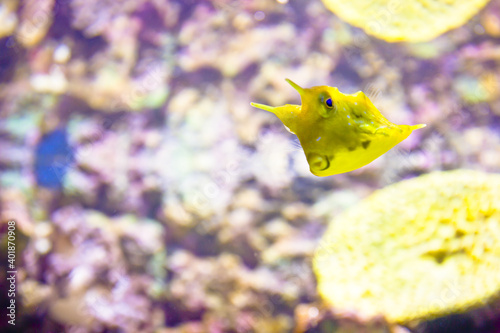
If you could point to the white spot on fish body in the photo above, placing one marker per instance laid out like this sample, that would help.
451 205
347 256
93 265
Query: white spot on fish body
319 138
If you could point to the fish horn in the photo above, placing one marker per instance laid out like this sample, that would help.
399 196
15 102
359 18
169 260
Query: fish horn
264 107
295 86
286 113
415 127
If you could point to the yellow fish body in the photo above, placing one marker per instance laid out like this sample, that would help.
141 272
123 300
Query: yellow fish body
338 132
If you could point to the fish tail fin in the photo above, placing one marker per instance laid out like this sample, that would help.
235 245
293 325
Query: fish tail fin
264 107
415 127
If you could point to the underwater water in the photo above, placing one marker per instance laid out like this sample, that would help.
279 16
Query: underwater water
141 192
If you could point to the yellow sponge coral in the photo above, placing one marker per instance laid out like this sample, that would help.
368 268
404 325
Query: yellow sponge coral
417 249
410 20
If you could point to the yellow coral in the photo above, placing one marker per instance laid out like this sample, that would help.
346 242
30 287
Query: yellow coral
417 249
8 17
36 19
412 20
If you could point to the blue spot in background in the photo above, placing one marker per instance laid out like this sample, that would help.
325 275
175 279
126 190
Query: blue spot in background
53 157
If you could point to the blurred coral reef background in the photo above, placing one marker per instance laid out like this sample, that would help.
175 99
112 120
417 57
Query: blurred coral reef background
150 197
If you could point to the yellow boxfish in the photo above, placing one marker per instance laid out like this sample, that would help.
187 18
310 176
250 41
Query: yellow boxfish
338 132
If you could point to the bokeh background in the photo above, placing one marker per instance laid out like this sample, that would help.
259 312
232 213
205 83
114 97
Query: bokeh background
149 196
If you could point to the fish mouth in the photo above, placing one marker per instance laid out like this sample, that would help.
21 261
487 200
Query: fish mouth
318 162
295 86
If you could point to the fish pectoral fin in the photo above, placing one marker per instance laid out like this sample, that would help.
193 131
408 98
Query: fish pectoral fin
296 146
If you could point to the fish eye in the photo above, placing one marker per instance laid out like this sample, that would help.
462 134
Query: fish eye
328 107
